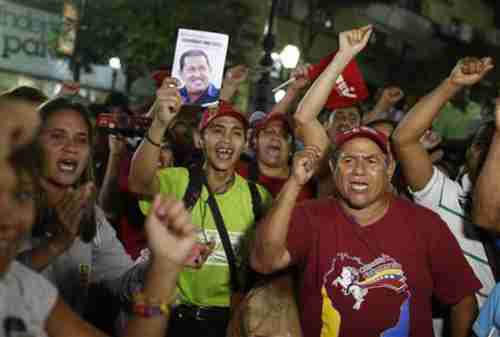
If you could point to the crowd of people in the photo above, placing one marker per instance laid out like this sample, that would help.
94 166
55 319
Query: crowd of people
358 219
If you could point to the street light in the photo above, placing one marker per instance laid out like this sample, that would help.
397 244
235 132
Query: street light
263 99
290 56
115 64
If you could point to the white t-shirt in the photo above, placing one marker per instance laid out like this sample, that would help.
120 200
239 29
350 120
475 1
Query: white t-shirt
102 260
444 196
26 300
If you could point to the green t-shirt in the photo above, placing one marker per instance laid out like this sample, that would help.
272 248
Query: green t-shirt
209 286
453 123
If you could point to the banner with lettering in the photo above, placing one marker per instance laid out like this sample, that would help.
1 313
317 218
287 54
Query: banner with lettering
26 47
350 87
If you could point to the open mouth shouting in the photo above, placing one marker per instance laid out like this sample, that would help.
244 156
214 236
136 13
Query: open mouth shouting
358 187
274 149
224 153
67 166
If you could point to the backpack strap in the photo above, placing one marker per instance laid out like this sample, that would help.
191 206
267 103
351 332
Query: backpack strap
253 171
252 180
224 236
193 190
256 200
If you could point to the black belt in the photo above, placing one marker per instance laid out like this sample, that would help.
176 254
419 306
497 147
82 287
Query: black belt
183 311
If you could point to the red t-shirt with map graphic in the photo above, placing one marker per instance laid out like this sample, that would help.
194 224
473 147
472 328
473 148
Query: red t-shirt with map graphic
376 280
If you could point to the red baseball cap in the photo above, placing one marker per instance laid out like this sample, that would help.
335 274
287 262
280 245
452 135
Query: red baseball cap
221 110
364 132
264 122
158 76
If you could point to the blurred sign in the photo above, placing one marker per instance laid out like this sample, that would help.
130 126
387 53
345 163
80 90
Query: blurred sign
24 48
67 37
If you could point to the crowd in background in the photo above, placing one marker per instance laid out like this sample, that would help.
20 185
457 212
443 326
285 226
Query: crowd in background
370 220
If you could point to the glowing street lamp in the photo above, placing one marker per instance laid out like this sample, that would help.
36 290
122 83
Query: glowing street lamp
290 56
115 64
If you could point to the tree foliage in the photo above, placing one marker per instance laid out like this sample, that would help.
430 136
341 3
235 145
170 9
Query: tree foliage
143 33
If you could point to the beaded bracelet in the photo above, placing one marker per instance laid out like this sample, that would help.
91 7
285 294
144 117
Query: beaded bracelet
149 307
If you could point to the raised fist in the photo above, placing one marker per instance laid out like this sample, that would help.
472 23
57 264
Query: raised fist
470 70
169 100
304 163
354 41
170 233
392 95
236 75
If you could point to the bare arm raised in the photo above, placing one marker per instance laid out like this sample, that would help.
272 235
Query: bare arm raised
293 91
415 161
234 77
142 177
269 252
308 127
171 237
486 198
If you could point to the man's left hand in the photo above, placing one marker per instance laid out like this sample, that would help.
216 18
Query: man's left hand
304 163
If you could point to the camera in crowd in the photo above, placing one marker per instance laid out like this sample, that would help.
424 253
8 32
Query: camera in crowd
123 125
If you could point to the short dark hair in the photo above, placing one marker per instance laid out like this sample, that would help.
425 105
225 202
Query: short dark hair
25 93
192 53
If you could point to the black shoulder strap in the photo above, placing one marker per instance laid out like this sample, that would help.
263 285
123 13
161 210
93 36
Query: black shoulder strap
256 200
193 190
253 170
253 179
224 236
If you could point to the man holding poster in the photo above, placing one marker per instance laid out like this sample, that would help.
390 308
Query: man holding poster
199 65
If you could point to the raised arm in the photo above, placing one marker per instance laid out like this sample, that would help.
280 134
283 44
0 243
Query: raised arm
142 177
234 77
486 197
269 252
309 128
390 97
171 238
293 91
415 160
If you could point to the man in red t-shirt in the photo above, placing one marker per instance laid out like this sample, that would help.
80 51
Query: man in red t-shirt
370 262
273 142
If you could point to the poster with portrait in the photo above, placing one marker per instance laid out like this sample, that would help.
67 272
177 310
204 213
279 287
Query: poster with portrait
199 65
